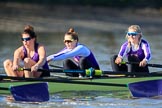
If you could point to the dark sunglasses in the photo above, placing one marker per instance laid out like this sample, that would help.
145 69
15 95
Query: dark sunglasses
67 41
132 34
26 39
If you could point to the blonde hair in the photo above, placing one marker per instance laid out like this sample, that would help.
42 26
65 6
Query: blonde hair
137 29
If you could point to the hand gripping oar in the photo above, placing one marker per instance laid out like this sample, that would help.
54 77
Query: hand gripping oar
151 65
88 72
35 92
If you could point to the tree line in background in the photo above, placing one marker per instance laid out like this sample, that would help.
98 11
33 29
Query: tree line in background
107 3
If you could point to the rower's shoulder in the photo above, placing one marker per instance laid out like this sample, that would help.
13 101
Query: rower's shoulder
19 48
144 41
41 45
125 43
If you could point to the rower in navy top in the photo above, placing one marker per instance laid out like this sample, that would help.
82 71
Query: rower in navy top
136 49
75 55
29 55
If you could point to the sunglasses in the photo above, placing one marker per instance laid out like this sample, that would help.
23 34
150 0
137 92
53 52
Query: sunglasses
26 39
67 41
132 33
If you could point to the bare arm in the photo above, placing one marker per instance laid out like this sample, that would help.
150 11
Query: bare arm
17 57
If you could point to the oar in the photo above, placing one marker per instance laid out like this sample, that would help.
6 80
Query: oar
150 88
151 65
55 66
138 89
63 80
4 88
91 73
35 92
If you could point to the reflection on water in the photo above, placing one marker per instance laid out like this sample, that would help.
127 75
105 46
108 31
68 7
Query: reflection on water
87 101
103 45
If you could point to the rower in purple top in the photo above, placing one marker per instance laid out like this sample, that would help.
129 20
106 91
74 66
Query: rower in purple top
136 49
75 55
30 55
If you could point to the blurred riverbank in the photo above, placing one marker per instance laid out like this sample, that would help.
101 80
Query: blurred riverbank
99 28
87 19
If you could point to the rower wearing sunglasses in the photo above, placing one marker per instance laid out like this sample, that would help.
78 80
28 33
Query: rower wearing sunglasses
137 51
75 55
30 55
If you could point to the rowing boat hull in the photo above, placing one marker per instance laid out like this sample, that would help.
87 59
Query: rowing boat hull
56 87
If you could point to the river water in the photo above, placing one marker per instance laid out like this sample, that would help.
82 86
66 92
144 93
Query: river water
104 45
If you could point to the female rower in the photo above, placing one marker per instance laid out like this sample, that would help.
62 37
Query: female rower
30 55
75 55
136 49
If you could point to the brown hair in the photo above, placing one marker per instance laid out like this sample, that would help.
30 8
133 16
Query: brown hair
73 34
30 32
28 27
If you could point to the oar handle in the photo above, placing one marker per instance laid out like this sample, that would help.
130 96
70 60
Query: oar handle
97 73
155 65
124 62
91 72
151 65
88 72
42 70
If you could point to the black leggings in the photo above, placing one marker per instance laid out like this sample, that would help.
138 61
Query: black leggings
129 67
83 64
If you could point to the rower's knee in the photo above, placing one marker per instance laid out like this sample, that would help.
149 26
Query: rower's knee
7 63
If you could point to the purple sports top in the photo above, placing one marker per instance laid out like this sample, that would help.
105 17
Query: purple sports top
142 51
35 56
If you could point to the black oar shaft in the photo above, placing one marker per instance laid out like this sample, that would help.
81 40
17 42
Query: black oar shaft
151 65
55 66
4 88
143 74
59 70
89 83
155 65
63 80
99 72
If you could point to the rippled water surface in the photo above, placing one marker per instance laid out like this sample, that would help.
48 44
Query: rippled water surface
87 102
